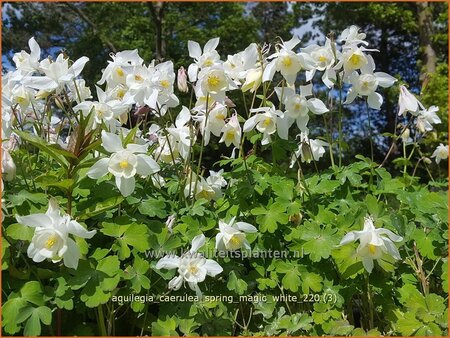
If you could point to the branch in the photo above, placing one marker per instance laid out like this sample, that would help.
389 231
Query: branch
96 31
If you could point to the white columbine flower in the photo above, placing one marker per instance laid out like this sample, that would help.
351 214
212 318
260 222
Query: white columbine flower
427 118
265 122
232 235
192 266
231 132
25 62
407 102
51 236
308 149
215 82
324 58
366 83
287 62
124 163
57 73
205 59
441 153
216 182
373 243
297 107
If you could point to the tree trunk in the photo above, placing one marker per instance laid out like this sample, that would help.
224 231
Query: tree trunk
157 11
425 34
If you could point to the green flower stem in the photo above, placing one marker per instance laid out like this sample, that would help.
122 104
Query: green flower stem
340 117
101 320
330 142
370 305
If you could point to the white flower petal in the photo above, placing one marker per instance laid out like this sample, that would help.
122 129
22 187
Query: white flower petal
211 45
198 242
175 283
146 165
111 142
168 262
99 169
375 100
194 49
317 106
75 228
125 185
385 80
212 268
350 237
72 255
35 220
368 264
246 227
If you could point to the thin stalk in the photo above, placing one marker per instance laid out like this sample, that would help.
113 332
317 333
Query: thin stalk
101 321
340 124
369 302
370 132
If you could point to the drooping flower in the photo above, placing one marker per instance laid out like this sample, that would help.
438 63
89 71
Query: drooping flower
265 121
124 163
231 235
192 266
441 153
373 243
51 236
407 102
231 132
308 150
427 118
216 181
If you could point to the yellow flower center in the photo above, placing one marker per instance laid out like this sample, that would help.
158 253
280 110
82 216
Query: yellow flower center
372 249
51 241
213 81
124 164
297 106
120 72
164 83
193 269
221 116
322 58
203 194
267 121
21 100
235 241
139 78
230 134
286 61
355 60
208 63
120 93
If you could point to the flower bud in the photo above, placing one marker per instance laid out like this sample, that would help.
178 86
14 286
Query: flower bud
8 166
253 80
427 160
405 134
170 222
182 80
